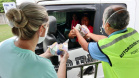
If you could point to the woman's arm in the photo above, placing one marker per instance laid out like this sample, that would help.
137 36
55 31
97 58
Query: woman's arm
62 68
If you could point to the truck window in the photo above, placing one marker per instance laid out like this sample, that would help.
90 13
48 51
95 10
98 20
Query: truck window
64 24
60 16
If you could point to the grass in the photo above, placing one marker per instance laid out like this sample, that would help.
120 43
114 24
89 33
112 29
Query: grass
5 32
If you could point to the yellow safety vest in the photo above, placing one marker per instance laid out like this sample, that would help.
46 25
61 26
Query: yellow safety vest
122 50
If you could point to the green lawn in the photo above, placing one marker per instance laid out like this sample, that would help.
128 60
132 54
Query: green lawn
5 32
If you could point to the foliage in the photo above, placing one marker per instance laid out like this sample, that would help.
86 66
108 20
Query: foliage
1 6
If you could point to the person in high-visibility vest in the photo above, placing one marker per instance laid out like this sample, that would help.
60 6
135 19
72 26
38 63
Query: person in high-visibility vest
119 52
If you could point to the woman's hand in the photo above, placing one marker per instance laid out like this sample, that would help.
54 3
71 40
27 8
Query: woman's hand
47 53
64 58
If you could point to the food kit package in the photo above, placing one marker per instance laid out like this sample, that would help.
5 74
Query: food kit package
82 29
58 49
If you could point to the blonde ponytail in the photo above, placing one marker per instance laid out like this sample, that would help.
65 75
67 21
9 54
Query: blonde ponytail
27 19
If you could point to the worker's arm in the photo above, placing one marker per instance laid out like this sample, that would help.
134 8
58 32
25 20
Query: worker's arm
81 40
96 37
62 68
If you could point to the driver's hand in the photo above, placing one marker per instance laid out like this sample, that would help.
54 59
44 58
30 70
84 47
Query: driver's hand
72 33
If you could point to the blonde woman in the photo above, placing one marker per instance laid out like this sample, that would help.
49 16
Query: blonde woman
17 57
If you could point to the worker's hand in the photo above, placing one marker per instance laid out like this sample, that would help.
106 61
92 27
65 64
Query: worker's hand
72 34
88 35
84 30
87 38
64 58
76 31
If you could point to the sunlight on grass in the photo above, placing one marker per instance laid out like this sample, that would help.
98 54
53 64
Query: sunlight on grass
5 32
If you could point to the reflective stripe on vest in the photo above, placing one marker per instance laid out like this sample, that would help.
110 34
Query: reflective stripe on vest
118 39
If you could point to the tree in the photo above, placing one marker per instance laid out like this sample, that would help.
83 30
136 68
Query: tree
1 5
